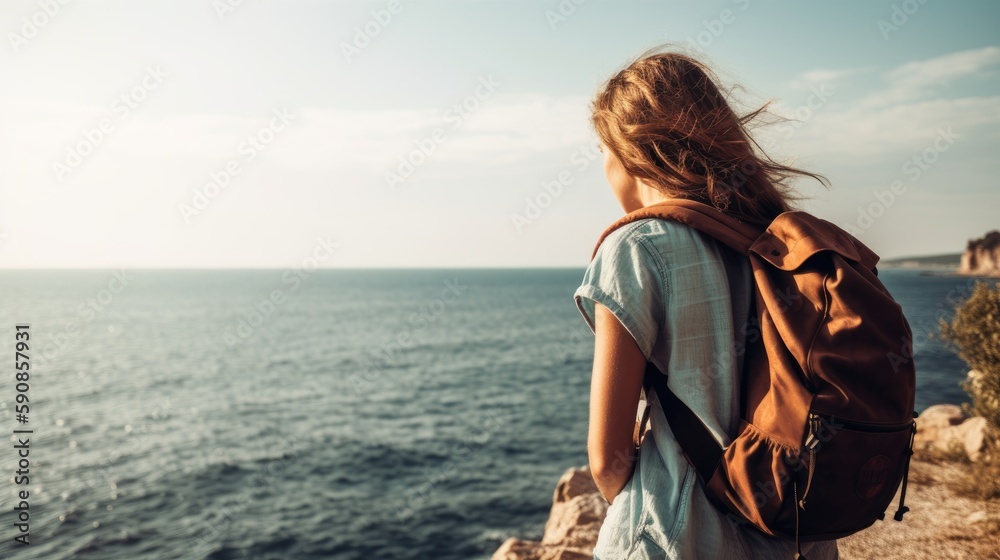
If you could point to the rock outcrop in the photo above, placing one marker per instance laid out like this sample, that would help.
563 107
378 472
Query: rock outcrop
578 510
982 256
944 429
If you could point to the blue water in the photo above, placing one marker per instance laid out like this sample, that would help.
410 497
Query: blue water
357 414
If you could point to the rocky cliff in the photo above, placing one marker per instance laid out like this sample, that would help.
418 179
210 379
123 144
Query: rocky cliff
940 525
982 256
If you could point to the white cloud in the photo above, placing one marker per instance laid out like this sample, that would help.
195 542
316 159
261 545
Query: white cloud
823 77
504 129
918 78
863 132
123 201
902 116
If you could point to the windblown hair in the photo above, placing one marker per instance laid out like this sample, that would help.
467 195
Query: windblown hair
669 124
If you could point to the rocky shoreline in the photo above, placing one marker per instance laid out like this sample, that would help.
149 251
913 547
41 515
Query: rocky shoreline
940 525
982 256
981 259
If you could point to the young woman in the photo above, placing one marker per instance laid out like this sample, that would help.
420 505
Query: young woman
661 291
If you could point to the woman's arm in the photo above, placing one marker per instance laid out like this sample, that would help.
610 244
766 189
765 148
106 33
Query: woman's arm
619 366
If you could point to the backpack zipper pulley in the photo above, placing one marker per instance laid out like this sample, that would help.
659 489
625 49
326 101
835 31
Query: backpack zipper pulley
812 442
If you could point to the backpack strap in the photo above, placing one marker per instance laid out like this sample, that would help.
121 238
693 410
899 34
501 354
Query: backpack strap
702 217
696 441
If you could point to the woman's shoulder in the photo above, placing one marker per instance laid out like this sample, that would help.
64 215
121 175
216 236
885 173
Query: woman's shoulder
668 241
651 231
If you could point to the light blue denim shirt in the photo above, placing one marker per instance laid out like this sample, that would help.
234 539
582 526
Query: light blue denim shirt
685 299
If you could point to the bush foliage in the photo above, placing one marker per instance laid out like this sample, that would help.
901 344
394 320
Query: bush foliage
975 333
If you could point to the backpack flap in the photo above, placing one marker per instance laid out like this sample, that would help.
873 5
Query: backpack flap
795 236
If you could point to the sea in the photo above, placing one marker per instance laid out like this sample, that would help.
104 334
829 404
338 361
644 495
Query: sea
348 414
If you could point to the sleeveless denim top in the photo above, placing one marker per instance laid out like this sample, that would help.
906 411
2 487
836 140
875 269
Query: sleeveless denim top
686 300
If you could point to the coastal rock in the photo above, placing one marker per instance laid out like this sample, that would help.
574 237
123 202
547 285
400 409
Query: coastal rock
938 417
944 428
982 256
578 509
973 435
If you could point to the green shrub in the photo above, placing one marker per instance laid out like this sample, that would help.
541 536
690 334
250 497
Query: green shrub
975 333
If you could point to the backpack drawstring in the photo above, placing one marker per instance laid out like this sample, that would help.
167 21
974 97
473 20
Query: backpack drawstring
906 476
812 441
798 545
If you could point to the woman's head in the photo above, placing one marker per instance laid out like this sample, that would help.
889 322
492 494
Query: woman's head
668 127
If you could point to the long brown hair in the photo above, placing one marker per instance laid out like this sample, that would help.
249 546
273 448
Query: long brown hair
667 121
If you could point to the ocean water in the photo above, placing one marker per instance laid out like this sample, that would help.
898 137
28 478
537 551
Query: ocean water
349 414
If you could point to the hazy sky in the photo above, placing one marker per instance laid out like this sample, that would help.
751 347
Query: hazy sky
240 134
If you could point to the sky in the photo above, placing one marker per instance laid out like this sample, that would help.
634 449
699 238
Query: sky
422 133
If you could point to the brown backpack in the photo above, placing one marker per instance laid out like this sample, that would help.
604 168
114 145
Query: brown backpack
827 394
